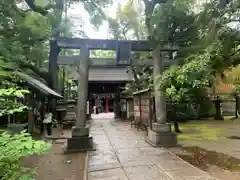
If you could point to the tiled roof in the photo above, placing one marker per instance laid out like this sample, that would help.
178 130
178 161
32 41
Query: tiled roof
106 74
38 85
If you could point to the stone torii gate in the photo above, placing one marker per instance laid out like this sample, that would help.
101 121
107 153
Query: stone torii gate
81 140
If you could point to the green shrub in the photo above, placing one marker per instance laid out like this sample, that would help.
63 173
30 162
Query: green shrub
13 149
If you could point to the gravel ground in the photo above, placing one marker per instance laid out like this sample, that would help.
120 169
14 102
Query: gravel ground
56 165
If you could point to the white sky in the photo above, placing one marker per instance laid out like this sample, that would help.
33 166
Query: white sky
80 17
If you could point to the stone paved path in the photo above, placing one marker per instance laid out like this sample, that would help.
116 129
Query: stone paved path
123 154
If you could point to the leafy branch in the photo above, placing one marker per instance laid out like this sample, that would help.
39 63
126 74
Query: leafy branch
9 103
39 9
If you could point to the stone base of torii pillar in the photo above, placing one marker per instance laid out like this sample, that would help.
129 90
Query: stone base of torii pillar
161 136
81 139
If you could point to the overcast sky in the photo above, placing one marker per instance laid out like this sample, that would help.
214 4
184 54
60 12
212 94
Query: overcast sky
79 17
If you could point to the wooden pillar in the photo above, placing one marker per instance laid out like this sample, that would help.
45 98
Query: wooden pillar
42 114
30 114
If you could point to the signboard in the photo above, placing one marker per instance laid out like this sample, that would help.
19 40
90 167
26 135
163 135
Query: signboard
101 44
77 43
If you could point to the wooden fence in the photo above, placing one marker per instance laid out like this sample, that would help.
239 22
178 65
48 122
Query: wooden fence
144 109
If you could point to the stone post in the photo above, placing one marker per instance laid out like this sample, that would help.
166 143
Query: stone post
160 134
81 140
160 102
82 88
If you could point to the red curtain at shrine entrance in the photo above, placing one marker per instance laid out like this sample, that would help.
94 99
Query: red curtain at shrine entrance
107 108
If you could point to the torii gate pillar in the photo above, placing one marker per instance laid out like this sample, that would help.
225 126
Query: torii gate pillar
80 140
160 134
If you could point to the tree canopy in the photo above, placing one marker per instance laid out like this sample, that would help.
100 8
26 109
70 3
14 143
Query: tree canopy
129 22
216 49
208 39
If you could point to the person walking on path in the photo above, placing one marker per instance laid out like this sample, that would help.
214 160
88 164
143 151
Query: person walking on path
48 123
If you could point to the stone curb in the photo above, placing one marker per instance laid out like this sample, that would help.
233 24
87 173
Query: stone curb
85 176
190 164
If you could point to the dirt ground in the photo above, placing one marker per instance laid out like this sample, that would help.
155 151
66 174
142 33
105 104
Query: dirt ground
56 164
213 146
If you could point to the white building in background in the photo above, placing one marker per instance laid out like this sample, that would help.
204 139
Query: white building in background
198 4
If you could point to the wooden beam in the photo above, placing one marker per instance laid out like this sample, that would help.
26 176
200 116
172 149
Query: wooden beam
74 60
102 62
142 62
65 60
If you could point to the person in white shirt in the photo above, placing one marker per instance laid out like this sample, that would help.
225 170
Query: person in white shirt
48 122
98 104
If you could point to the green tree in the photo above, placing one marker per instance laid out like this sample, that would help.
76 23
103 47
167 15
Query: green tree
15 147
25 41
171 21
216 48
129 22
186 82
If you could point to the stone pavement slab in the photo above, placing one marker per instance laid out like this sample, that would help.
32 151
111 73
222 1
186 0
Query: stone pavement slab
145 172
109 174
123 154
